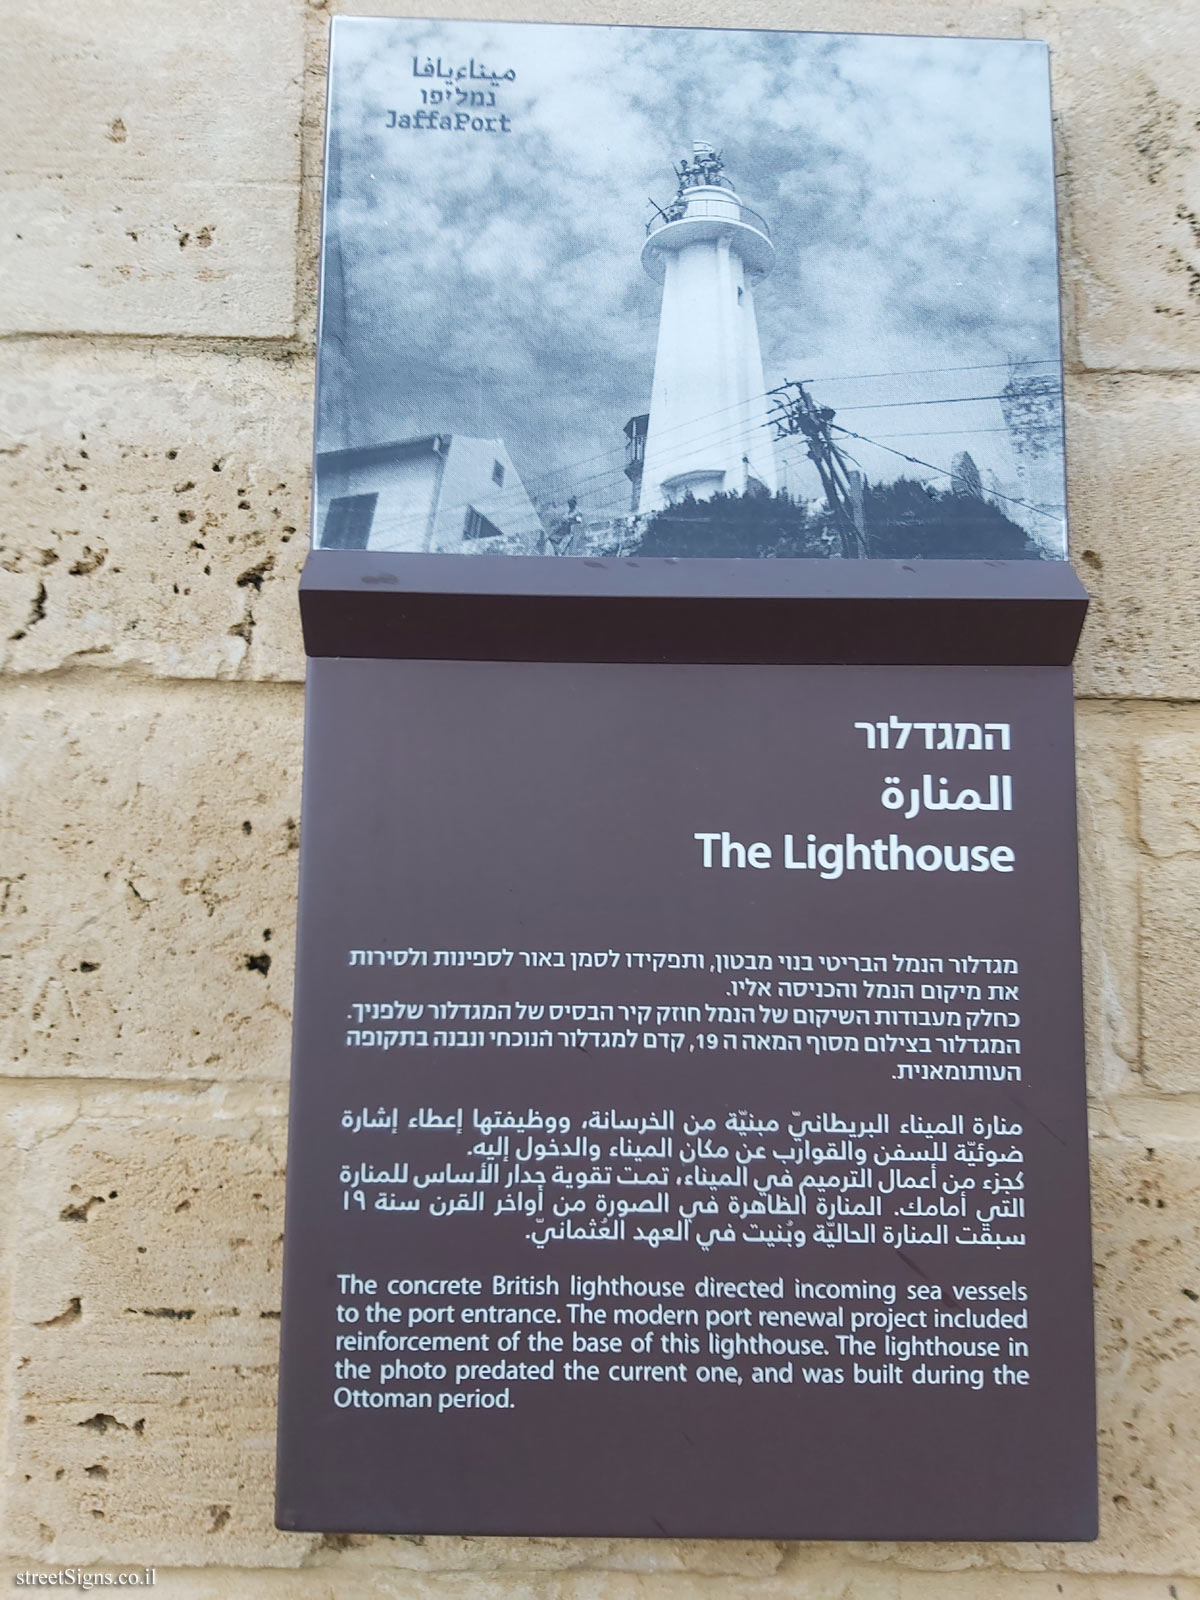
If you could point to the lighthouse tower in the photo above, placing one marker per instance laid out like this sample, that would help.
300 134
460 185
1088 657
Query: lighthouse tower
707 428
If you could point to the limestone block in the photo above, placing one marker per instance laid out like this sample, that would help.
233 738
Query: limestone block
151 258
1169 790
1169 825
152 156
153 510
145 1327
9 1190
1146 1203
1171 973
1133 483
149 911
1129 160
750 1560
1169 829
1108 863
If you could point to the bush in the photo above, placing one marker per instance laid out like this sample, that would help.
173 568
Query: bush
904 521
754 524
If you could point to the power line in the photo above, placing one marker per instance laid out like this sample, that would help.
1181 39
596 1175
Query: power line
534 484
942 471
609 493
977 366
713 438
662 433
945 400
942 433
612 475
914 372
729 430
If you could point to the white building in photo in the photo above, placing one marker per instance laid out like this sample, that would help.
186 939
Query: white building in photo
707 429
441 493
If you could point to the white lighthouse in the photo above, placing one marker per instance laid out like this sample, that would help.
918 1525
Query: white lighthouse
707 428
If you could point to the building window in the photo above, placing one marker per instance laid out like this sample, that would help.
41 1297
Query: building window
635 439
498 474
739 294
348 522
477 526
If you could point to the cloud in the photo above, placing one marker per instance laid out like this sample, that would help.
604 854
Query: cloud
490 283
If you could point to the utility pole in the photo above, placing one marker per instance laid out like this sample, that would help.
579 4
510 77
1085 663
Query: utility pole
795 412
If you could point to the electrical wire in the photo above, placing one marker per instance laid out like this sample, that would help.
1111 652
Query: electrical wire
610 477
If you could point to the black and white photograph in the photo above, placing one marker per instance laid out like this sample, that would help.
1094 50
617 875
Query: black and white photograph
615 291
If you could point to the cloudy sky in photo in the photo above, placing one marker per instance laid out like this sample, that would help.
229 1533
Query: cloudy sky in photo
490 284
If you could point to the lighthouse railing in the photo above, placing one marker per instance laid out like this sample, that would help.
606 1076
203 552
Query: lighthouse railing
722 209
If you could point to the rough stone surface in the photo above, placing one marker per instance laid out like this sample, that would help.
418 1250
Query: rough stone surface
1171 968
153 510
145 1324
1169 826
1133 478
1125 100
209 259
1147 1247
149 917
1108 878
1147 1250
152 161
1169 793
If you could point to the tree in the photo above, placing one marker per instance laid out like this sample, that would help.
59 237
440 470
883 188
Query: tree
904 520
757 523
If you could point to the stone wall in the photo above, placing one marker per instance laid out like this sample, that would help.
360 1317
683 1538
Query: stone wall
157 273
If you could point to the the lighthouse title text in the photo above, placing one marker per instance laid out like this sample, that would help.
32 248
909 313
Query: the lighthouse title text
928 792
